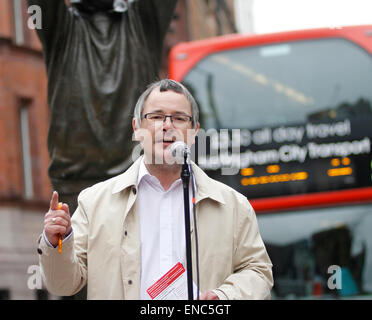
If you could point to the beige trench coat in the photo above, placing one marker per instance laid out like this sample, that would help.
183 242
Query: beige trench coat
104 250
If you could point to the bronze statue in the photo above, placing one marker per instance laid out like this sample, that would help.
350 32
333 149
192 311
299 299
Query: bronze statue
100 55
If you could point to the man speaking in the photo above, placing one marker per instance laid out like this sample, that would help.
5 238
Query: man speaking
128 231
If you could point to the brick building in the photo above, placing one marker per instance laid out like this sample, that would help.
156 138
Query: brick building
24 182
24 119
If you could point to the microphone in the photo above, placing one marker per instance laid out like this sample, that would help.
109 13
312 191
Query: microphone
179 150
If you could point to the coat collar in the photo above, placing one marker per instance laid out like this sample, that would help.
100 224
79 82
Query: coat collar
128 178
206 187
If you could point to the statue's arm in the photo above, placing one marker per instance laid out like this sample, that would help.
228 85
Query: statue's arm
54 18
157 15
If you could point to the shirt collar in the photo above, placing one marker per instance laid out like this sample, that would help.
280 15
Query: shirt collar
205 186
144 174
142 171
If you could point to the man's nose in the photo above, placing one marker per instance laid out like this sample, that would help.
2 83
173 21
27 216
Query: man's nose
167 123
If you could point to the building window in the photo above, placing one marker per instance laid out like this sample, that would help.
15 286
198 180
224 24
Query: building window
26 153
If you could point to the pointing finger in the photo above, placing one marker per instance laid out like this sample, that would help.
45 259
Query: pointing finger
54 201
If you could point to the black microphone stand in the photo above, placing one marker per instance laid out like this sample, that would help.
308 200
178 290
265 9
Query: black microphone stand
185 176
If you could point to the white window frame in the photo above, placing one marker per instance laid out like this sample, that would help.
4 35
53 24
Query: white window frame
18 22
26 152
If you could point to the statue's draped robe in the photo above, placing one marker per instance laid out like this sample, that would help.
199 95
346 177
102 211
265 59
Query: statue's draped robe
98 63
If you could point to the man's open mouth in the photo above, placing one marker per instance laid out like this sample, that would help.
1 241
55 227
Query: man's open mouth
169 140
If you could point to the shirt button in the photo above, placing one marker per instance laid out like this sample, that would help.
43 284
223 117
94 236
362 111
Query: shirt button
134 190
130 282
39 251
125 233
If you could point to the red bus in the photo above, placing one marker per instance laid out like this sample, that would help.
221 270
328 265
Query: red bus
299 104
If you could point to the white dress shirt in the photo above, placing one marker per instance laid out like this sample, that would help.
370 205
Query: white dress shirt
162 227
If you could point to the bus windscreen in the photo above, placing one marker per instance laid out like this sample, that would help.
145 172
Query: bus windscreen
291 118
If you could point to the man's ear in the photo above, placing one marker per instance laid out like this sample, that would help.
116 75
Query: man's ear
135 130
197 128
140 134
191 134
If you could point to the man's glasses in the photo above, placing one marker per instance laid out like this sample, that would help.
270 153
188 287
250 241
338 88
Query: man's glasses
178 120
